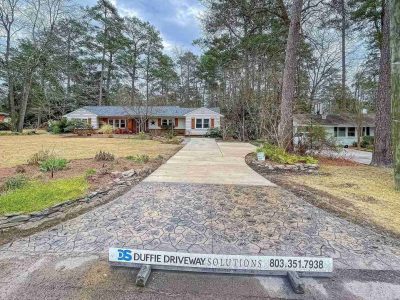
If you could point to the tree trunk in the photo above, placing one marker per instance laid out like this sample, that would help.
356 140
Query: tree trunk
285 129
10 81
395 45
382 155
67 92
24 103
133 79
102 77
108 80
344 100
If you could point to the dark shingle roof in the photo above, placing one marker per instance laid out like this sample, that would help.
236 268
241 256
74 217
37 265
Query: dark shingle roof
334 119
156 111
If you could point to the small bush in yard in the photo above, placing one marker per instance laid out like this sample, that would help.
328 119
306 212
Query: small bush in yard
104 156
280 156
20 169
90 172
139 158
39 157
214 133
367 142
142 136
53 164
5 126
106 129
15 182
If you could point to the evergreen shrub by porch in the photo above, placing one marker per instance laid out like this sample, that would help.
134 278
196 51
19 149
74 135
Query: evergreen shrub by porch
214 133
106 129
66 126
279 155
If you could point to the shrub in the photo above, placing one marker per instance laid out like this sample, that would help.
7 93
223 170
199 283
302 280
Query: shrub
314 138
20 169
90 172
142 136
71 125
159 157
104 156
16 182
5 126
214 133
367 142
139 158
279 155
53 164
106 129
57 127
174 141
39 157
170 135
66 126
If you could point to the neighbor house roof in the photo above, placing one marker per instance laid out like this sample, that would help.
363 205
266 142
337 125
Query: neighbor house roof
3 114
155 111
333 119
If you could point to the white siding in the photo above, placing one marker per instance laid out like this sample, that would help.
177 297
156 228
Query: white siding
342 140
84 114
201 113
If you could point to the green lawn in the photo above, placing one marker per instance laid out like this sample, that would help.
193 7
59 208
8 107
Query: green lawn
38 195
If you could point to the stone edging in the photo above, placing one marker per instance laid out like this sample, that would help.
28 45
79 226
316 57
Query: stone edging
299 167
122 182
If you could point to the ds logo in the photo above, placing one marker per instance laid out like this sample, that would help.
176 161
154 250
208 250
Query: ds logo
124 255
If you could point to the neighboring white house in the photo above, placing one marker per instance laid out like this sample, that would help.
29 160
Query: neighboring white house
155 119
343 127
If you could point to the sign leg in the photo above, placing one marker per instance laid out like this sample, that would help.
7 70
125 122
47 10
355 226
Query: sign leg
296 282
143 275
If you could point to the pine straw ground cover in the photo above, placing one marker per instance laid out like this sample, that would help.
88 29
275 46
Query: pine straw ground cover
361 193
16 150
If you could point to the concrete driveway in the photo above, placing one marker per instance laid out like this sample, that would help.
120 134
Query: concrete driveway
208 162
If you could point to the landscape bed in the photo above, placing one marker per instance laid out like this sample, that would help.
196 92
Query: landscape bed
26 188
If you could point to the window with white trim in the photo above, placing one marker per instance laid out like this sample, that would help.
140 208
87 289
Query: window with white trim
199 123
340 131
202 123
351 131
117 123
166 122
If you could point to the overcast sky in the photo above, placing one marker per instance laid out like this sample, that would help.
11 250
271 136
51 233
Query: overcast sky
177 20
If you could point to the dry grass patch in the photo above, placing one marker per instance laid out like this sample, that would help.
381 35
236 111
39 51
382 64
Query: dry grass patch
364 192
16 150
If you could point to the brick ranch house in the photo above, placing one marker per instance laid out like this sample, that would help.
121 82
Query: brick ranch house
154 120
